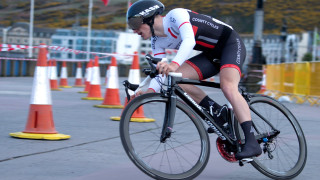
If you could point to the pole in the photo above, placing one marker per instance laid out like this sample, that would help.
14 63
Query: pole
31 27
314 48
283 37
89 29
258 31
128 6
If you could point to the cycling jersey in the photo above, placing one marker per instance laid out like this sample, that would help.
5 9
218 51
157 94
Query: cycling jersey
187 30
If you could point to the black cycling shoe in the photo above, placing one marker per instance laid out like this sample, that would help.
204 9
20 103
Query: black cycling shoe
249 151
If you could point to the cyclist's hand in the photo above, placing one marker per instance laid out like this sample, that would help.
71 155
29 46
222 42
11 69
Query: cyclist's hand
164 68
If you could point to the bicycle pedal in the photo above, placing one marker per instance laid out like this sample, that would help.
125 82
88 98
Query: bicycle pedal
245 161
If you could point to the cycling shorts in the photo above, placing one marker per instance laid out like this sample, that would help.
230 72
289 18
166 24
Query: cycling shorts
232 55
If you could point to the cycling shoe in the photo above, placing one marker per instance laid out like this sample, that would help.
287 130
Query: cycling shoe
248 151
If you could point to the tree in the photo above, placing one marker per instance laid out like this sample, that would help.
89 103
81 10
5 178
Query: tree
307 57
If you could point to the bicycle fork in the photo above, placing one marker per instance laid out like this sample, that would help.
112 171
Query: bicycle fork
168 118
170 112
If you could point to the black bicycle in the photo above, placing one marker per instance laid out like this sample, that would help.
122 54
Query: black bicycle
176 145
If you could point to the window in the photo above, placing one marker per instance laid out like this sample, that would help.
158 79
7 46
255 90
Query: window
56 41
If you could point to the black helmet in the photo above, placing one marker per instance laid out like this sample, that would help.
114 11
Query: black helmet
143 11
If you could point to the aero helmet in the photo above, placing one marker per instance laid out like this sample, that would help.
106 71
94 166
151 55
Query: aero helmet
143 12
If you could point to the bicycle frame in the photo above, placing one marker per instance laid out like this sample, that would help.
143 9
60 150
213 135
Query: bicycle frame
173 91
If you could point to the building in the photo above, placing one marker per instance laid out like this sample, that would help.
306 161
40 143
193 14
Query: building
101 41
18 34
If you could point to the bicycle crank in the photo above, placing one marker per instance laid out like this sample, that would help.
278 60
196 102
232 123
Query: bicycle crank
226 150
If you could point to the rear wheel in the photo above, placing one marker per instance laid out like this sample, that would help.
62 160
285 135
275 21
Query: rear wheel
182 156
284 146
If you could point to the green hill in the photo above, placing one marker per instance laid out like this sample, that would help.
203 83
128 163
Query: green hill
300 15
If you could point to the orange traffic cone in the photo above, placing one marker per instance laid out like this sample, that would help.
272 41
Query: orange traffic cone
112 97
263 88
40 123
64 76
78 81
134 78
95 88
211 79
107 74
87 77
53 76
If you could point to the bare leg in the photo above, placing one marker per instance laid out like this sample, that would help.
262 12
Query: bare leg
229 80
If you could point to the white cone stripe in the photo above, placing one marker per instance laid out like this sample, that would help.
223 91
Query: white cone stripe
78 73
264 80
49 71
41 88
89 74
107 77
95 76
134 76
86 74
113 80
64 73
53 75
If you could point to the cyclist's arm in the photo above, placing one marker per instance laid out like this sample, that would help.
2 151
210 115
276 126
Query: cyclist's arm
183 25
154 86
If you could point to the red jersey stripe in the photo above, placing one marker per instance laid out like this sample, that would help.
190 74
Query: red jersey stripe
195 29
172 33
159 53
183 24
205 44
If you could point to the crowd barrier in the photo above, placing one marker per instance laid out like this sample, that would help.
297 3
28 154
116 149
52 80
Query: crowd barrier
299 81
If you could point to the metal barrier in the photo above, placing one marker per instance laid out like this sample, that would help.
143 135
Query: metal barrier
299 81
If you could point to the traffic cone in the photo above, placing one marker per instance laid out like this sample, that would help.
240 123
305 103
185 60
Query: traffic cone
95 88
263 88
53 76
64 76
211 79
88 76
40 123
78 81
112 97
49 68
134 78
107 74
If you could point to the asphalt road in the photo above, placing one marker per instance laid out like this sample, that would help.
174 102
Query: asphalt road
94 150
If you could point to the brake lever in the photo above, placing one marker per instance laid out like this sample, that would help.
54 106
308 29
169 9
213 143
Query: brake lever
125 84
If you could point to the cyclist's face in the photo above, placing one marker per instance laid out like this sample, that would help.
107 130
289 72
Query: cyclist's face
144 31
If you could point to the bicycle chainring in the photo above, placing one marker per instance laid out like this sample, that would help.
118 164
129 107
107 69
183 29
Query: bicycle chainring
225 150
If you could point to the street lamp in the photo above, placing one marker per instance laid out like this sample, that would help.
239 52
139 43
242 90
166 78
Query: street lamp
283 38
258 31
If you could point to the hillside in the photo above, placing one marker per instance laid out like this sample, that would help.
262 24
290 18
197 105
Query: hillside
300 14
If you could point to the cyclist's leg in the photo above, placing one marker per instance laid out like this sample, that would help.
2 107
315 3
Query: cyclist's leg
201 67
189 72
232 59
194 69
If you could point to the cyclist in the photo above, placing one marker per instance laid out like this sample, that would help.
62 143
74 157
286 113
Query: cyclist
186 30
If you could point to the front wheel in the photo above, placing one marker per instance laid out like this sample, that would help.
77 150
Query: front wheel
182 156
280 136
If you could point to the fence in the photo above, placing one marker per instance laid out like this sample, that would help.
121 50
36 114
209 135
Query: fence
299 81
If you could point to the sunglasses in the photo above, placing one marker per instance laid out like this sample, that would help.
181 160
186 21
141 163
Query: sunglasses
135 22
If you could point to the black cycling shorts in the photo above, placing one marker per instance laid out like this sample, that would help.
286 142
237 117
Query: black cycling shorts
208 64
